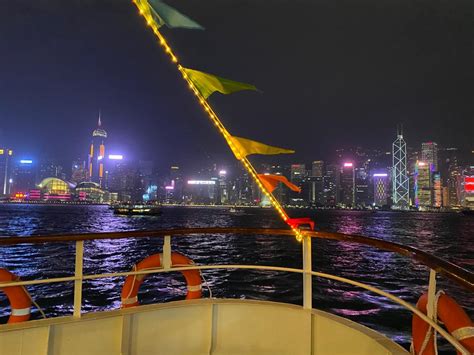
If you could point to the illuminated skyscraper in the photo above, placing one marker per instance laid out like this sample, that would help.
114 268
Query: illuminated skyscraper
400 195
6 170
317 168
347 181
97 154
381 189
423 185
429 154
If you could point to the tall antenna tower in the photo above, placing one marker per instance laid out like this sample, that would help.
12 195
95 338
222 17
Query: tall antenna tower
401 191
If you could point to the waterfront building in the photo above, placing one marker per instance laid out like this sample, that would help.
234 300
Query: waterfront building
24 177
429 154
317 168
6 171
466 187
347 185
362 192
381 189
331 185
89 191
313 191
297 174
97 155
423 185
201 191
54 189
400 179
222 188
437 190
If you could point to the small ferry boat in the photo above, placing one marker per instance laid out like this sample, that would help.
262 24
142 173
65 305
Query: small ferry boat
235 210
137 210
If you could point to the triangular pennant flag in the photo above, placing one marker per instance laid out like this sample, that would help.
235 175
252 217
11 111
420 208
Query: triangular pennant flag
271 182
243 147
207 84
166 15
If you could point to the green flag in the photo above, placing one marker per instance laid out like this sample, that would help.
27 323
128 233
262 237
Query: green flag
166 15
207 84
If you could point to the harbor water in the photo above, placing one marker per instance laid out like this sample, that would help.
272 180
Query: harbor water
446 235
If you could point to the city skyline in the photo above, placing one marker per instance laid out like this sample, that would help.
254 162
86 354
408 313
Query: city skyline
145 103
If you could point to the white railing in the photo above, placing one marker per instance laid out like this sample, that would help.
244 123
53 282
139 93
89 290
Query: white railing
306 272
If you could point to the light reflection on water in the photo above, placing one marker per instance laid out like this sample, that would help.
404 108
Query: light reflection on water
445 235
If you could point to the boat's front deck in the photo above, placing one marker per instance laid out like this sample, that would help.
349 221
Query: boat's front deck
205 326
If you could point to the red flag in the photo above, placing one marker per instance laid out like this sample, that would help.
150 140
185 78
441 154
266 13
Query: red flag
296 222
271 182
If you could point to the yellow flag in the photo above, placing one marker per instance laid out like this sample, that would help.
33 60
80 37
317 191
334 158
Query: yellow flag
242 147
207 84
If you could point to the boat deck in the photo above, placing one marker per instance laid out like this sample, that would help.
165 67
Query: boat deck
204 326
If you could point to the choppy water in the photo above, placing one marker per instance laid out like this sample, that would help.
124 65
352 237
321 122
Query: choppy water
449 236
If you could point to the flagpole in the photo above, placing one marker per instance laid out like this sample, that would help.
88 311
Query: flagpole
216 121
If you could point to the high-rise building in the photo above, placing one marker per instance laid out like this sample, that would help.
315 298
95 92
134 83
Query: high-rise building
423 185
437 190
313 191
24 178
317 168
6 170
347 185
381 189
297 174
466 187
362 192
429 154
97 155
331 185
400 180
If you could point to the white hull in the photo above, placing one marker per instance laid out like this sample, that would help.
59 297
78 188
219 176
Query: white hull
204 326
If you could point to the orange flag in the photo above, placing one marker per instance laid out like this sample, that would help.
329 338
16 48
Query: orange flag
271 182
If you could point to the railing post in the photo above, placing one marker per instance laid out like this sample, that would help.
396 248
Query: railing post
167 252
431 295
307 277
78 278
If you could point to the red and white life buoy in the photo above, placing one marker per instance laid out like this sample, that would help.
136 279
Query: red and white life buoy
455 319
18 297
133 282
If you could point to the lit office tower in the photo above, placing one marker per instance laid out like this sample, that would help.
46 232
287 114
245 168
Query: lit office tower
381 189
297 174
423 185
317 168
6 170
400 182
429 154
24 176
97 154
347 181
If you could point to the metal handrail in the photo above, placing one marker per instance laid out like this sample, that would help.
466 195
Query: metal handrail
454 272
461 276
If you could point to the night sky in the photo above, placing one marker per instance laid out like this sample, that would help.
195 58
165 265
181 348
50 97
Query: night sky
332 74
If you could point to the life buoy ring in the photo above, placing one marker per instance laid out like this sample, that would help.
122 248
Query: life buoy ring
20 301
133 282
455 319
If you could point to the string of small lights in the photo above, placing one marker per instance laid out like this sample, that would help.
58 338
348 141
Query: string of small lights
215 119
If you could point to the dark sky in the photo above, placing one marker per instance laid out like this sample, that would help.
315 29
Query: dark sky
333 73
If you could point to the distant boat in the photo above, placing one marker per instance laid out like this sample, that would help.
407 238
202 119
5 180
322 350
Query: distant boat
236 210
137 210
